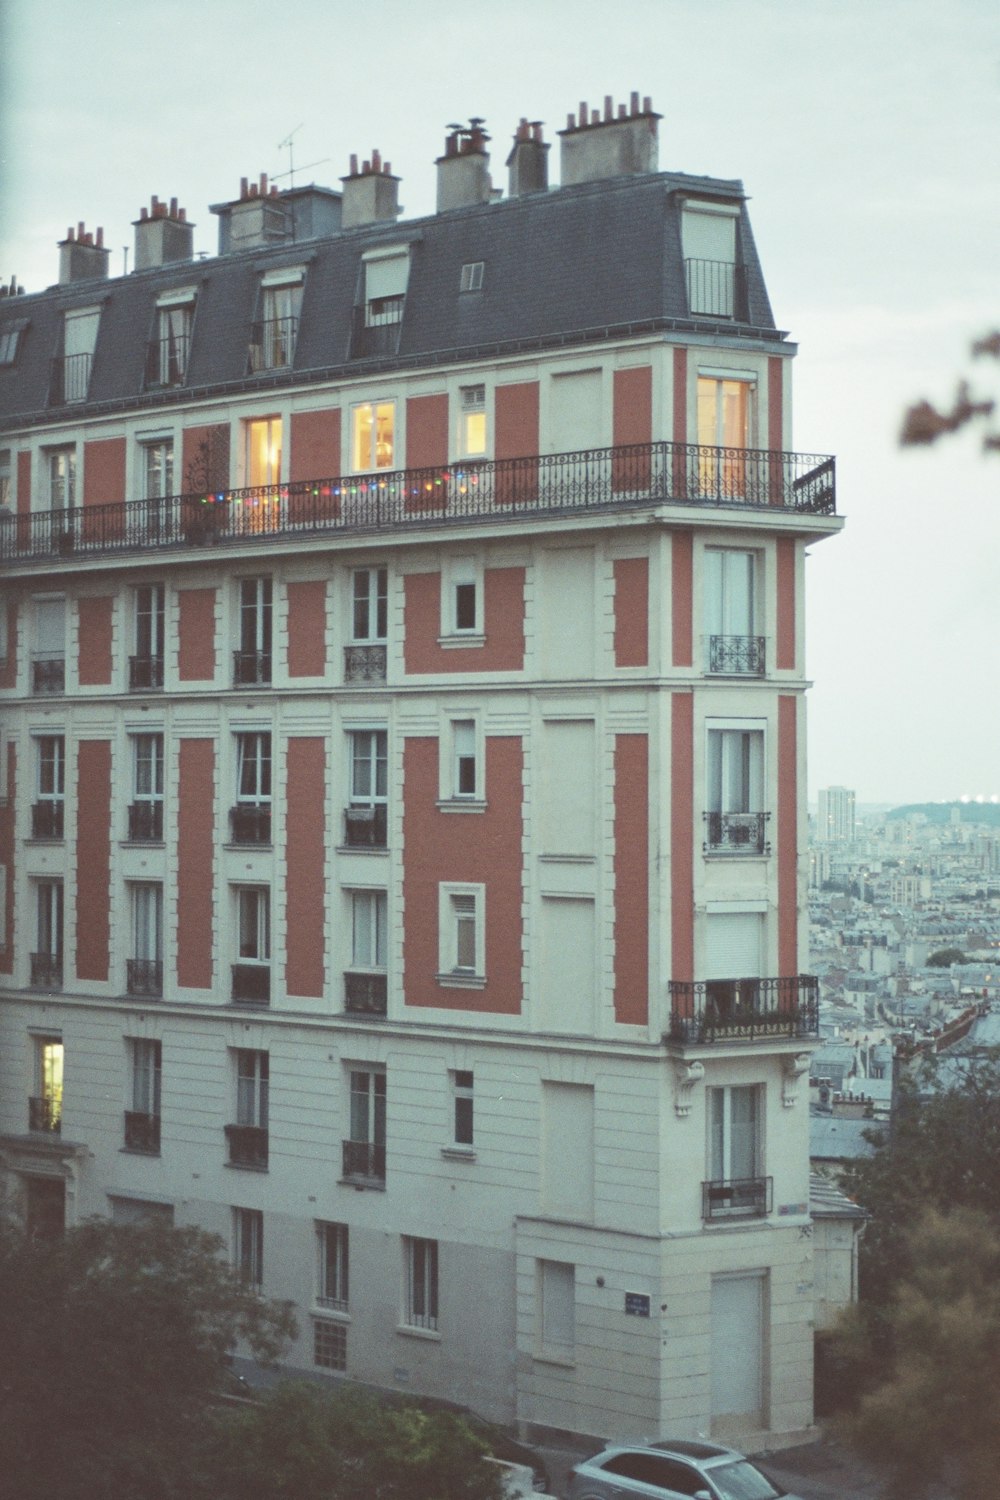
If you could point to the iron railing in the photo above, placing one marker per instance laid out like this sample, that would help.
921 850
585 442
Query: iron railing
69 378
45 1113
251 984
366 827
142 1132
145 673
47 819
365 1160
715 1010
365 994
166 360
251 668
376 326
250 823
46 971
741 1198
364 663
510 489
247 1145
272 344
736 833
145 823
716 289
144 976
736 655
48 675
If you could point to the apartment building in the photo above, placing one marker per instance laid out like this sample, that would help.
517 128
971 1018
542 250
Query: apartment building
835 816
403 808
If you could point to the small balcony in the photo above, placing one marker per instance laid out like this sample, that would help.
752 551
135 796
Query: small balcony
272 344
743 1010
742 1198
364 664
251 668
47 819
145 674
247 1146
736 655
366 827
45 1114
376 327
251 984
145 822
166 361
144 978
48 675
736 833
46 971
142 1132
250 823
716 289
69 379
365 994
364 1161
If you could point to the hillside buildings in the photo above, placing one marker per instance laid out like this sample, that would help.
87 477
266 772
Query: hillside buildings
403 675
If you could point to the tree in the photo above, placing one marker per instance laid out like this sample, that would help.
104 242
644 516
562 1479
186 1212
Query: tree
114 1339
924 423
945 957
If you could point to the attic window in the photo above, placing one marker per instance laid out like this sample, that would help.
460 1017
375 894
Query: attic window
472 276
708 236
9 339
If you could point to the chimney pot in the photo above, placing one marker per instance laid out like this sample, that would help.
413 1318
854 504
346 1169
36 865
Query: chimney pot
80 230
182 215
353 168
376 160
622 112
608 107
263 184
571 121
173 208
647 104
387 170
635 102
244 187
100 236
143 214
584 112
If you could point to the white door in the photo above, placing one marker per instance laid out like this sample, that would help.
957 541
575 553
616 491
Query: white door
738 1353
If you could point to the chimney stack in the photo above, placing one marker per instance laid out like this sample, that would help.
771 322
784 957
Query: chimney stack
82 256
463 172
609 144
371 195
528 162
162 235
256 218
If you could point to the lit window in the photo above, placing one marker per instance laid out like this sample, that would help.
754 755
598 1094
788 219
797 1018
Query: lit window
471 279
373 436
421 1289
46 1104
263 452
724 422
472 437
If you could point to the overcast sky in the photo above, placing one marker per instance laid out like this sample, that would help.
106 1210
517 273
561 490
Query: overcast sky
867 133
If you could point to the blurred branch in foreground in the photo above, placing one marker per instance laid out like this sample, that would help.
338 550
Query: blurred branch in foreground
924 424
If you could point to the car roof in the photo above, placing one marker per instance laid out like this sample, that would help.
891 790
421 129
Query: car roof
687 1449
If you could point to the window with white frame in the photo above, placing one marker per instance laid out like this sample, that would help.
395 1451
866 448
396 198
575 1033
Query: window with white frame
373 436
47 814
364 1150
158 469
252 665
253 767
47 1102
10 336
731 611
725 426
557 1296
49 657
144 969
462 1085
463 609
333 1244
472 419
146 666
49 924
708 238
462 932
471 278
79 341
273 344
420 1269
386 274
248 1246
167 358
6 480
252 1085
263 458
369 604
465 778
146 1068
369 945
253 924
735 768
145 821
369 767
62 478
735 1117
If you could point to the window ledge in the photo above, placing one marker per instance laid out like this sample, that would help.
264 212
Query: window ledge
461 805
362 849
432 1335
250 848
321 1309
460 642
371 1184
567 859
462 981
33 839
245 1166
459 1153
142 843
748 1221
136 1151
564 1361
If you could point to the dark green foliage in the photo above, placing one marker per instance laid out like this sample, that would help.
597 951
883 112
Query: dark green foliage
945 957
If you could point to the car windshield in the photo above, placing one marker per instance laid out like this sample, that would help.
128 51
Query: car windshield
743 1481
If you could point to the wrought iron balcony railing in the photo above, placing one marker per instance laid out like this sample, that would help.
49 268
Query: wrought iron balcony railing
364 1160
47 819
366 827
45 1114
250 823
46 971
142 1132
365 994
736 655
376 326
251 984
736 833
69 379
247 1145
364 663
145 673
511 489
251 668
166 360
144 976
48 675
145 822
741 1198
272 344
716 289
722 1010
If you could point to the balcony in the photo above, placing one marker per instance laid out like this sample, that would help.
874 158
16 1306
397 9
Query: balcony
251 984
736 655
364 1161
48 675
46 971
742 1198
250 823
69 379
366 827
247 1146
364 664
145 823
736 833
743 1010
145 674
144 977
716 289
251 668
376 326
47 819
512 490
142 1132
365 994
45 1114
166 361
272 344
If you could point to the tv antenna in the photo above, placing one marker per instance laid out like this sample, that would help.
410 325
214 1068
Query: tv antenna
289 141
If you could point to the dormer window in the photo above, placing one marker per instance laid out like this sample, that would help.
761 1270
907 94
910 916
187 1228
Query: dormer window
10 338
168 349
472 276
272 341
71 369
378 319
715 286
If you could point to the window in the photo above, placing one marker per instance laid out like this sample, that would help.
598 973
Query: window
47 814
364 1152
462 1085
45 1106
333 1245
373 436
370 602
49 660
79 341
252 660
62 478
460 598
272 340
735 1151
248 1137
471 279
146 666
724 419
251 971
329 1344
462 935
145 967
472 434
167 355
366 821
708 237
465 779
157 486
47 960
263 452
248 1246
735 786
145 814
557 1294
251 817
368 929
10 336
6 480
386 275
142 1120
731 613
420 1259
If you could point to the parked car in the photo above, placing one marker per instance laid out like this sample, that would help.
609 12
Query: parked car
668 1470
